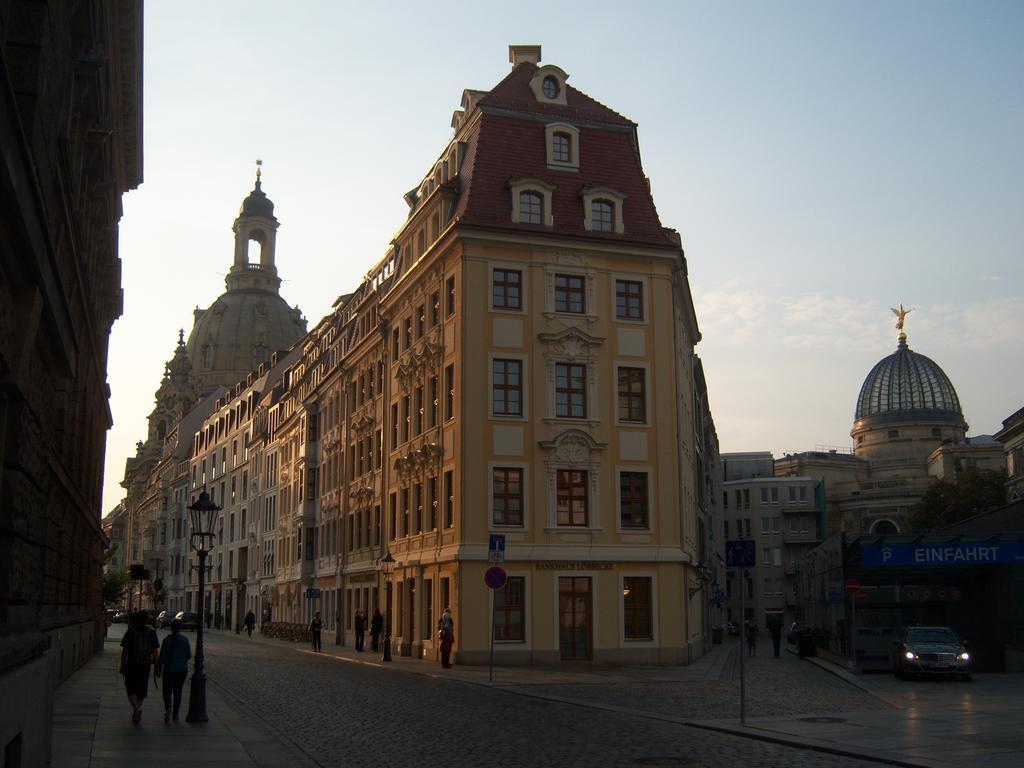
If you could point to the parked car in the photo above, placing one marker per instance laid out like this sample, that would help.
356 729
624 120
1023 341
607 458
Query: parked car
188 620
930 651
120 617
164 618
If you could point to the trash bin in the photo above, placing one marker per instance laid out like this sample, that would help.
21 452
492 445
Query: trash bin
805 644
716 635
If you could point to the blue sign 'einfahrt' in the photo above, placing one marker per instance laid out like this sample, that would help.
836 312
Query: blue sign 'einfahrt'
963 553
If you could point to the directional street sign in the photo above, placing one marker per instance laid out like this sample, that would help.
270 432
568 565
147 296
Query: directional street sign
496 548
739 553
495 577
312 592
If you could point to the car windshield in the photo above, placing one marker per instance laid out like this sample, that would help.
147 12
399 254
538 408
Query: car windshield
932 635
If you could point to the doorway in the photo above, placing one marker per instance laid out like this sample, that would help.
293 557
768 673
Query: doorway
574 611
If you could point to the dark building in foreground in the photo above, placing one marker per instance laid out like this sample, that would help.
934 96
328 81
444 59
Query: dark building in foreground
71 145
968 577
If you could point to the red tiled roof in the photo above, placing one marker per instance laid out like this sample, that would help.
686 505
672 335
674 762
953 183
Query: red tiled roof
514 93
504 147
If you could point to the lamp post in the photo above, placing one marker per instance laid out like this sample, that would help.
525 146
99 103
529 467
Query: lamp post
387 567
202 514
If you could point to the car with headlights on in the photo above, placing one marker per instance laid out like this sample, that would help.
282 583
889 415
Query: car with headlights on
928 651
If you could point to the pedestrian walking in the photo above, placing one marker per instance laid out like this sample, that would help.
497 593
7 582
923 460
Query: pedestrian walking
250 622
360 629
446 635
138 655
776 629
315 627
172 666
751 638
376 625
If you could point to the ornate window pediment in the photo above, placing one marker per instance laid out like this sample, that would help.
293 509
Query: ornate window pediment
572 343
573 447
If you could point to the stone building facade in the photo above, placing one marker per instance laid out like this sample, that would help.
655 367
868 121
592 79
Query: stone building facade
71 144
497 372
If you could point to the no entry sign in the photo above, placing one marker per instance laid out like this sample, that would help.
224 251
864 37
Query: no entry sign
495 577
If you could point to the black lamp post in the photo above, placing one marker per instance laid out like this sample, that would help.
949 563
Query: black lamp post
202 514
387 567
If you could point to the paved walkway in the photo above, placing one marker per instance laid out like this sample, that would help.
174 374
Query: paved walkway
933 724
92 727
929 723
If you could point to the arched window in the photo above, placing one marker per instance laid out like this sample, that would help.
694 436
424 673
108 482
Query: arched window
561 147
884 526
601 215
161 430
207 356
531 206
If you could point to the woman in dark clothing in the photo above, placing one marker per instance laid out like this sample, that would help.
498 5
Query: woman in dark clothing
360 629
315 627
138 654
376 625
250 622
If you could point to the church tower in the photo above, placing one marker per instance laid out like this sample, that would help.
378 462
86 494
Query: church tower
250 320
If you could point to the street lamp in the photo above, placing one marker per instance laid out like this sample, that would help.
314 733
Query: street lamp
387 567
202 514
705 576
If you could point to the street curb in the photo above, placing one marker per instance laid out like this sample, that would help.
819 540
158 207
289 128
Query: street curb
812 745
851 679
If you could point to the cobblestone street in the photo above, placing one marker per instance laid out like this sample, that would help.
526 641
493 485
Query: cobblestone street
344 713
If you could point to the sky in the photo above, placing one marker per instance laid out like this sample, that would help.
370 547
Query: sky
823 161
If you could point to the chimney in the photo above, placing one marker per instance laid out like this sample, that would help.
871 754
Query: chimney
520 54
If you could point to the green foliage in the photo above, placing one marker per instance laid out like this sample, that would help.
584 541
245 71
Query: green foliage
949 501
114 583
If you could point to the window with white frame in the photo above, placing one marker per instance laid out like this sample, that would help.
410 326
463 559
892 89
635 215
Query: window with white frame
571 497
634 502
563 146
507 496
602 209
531 201
570 293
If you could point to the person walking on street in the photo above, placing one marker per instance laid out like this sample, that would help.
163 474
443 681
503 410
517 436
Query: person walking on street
446 634
250 622
751 638
376 625
172 666
315 627
360 629
138 654
776 629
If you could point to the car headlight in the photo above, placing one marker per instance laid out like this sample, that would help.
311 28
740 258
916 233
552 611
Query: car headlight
965 656
911 655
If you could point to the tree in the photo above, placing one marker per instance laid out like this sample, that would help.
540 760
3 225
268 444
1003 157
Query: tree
114 582
949 501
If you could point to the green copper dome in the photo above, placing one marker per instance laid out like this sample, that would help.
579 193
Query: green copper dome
907 385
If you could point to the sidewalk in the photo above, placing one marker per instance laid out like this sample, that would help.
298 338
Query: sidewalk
92 727
931 723
712 666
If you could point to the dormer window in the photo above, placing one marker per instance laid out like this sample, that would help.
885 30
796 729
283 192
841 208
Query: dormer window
560 147
563 146
601 215
531 204
602 209
550 87
531 201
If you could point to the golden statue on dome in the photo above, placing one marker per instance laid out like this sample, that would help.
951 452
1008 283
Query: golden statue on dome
901 315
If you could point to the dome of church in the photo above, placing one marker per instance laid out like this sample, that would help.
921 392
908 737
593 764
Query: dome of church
907 386
249 321
257 203
240 330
